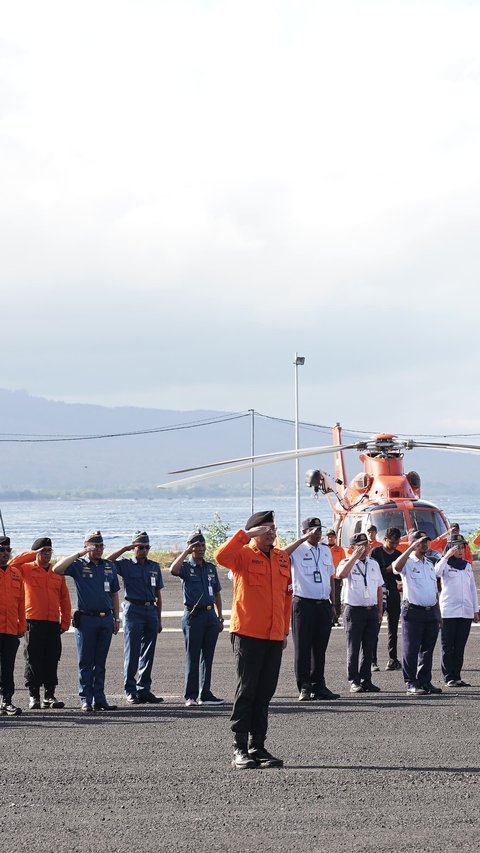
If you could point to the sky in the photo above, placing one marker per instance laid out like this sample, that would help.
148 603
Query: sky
194 191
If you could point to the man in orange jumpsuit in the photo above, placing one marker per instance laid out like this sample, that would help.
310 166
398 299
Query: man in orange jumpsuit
48 612
12 625
259 625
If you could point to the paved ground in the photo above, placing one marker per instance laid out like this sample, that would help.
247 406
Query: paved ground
383 773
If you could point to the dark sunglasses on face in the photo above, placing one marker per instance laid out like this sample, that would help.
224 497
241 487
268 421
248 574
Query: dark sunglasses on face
5 550
143 547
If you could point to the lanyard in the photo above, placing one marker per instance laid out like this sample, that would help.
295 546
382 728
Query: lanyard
316 555
364 576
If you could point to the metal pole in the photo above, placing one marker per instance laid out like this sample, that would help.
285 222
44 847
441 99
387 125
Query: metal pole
298 360
297 461
1 520
252 451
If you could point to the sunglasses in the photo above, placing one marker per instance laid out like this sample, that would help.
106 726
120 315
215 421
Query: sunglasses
143 547
5 550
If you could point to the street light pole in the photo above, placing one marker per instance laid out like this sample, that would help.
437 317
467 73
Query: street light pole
252 451
298 360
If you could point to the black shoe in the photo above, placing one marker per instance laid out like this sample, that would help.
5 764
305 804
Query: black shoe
305 695
370 688
429 688
262 758
146 696
52 702
325 693
9 709
104 706
461 683
241 760
132 699
393 665
87 708
211 700
34 703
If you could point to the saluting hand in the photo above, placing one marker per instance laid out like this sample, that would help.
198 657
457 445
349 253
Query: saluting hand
258 531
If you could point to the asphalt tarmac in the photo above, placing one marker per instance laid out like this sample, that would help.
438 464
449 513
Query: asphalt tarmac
362 773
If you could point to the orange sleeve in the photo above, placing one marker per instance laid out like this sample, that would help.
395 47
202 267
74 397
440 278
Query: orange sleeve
229 554
20 560
65 606
22 621
476 541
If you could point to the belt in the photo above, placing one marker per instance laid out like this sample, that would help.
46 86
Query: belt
95 612
420 606
140 602
316 600
361 606
198 609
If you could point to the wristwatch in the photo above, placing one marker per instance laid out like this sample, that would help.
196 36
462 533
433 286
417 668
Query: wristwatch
115 619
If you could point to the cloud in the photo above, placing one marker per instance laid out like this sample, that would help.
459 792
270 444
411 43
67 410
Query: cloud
193 191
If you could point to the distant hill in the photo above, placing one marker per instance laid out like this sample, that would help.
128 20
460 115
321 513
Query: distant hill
133 465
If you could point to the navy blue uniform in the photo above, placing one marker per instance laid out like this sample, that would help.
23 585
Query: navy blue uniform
95 585
200 626
142 583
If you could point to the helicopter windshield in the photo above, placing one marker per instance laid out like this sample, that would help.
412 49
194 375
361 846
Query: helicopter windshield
388 518
429 521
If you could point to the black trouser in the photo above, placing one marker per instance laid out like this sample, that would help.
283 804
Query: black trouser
393 618
338 596
8 651
454 639
361 628
311 628
42 652
258 665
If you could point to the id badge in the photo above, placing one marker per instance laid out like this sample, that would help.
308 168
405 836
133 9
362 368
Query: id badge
210 590
365 593
153 580
106 586
317 577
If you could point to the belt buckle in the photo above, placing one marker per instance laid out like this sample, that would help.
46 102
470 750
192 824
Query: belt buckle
209 607
102 613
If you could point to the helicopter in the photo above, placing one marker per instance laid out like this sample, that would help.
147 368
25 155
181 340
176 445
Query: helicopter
382 494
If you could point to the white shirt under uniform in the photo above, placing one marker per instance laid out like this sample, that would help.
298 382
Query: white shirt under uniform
359 588
312 568
458 598
419 582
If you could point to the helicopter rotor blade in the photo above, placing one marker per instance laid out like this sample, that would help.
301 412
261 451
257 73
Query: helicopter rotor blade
273 457
285 457
445 445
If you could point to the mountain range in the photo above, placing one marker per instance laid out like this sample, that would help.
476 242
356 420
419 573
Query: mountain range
132 465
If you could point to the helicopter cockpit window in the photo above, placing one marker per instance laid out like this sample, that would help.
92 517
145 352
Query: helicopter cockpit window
385 519
351 526
429 521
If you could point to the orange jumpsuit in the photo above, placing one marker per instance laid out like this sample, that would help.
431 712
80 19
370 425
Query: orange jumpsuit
262 600
48 612
12 624
46 594
262 592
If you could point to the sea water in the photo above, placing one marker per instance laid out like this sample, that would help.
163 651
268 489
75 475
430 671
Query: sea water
169 521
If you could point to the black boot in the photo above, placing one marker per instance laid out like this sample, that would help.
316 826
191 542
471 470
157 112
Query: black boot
241 759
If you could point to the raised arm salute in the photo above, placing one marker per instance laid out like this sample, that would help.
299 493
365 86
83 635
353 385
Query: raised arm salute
96 618
143 583
420 614
312 609
259 626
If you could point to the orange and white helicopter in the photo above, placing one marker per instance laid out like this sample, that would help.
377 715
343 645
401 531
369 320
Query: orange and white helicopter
382 495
